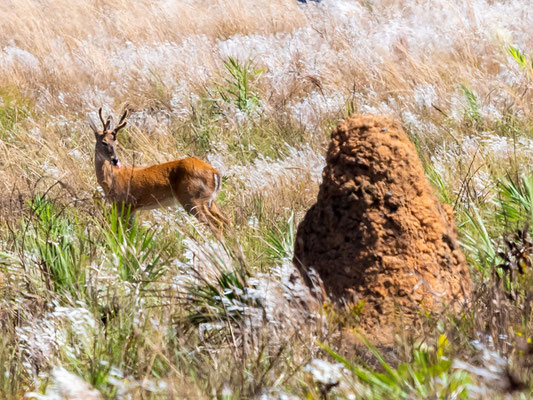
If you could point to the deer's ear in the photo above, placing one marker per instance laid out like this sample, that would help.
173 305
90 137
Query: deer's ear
93 127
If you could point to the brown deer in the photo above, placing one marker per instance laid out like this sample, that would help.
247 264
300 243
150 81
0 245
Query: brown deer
190 181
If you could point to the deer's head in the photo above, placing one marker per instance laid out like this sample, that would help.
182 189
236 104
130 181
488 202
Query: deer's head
106 139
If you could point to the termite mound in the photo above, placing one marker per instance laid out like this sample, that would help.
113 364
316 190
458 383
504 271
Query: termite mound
377 233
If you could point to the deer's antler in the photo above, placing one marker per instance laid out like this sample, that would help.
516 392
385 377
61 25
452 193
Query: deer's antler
104 123
121 123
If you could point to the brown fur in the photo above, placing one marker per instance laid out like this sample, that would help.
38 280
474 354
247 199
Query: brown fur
190 181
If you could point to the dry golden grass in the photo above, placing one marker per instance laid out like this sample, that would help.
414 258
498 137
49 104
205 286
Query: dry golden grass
66 58
442 68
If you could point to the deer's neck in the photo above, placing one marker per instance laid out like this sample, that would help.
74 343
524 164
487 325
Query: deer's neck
108 177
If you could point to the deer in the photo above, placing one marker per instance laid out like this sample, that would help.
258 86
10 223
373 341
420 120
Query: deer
190 181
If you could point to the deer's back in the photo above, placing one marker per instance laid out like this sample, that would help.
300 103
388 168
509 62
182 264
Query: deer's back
163 184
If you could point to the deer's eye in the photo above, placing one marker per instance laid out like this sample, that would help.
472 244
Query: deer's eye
105 144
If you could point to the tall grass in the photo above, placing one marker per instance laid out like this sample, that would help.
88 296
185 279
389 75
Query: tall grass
60 247
155 307
135 250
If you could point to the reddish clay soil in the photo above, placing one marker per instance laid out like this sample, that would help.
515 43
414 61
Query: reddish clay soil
377 232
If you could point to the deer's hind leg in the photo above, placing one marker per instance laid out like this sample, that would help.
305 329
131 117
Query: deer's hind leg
198 208
215 211
217 220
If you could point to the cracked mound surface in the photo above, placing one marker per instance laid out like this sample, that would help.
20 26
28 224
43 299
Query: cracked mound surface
377 232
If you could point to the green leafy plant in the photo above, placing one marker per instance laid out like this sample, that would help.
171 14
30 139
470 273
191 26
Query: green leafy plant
237 88
436 180
59 244
223 300
429 374
472 113
521 59
502 251
482 249
280 241
515 197
223 297
136 251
